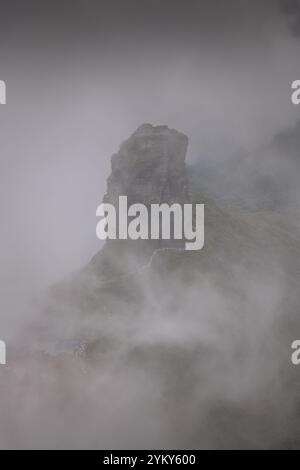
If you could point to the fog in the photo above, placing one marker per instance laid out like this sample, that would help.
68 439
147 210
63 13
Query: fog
81 77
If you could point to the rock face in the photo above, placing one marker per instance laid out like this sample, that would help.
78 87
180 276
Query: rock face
149 167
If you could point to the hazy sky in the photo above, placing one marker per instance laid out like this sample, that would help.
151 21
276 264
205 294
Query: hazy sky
81 75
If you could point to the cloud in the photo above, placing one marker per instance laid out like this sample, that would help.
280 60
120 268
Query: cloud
291 8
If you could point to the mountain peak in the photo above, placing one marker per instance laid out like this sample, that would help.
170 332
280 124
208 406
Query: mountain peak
149 167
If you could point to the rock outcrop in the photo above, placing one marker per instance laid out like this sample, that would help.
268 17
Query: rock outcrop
149 167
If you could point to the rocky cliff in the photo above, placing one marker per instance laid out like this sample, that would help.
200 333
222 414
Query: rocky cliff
149 167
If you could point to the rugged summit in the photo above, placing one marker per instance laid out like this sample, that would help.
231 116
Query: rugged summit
149 167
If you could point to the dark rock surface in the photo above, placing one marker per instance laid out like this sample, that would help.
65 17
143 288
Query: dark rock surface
149 167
